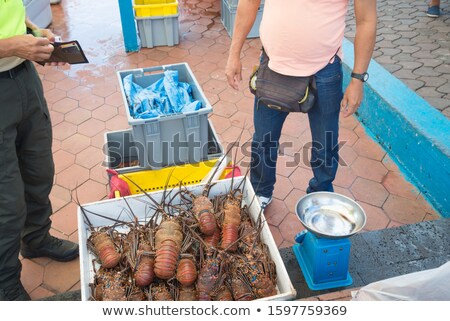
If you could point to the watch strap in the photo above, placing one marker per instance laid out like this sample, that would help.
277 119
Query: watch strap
363 77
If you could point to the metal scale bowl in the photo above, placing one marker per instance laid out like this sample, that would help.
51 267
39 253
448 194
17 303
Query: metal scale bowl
323 249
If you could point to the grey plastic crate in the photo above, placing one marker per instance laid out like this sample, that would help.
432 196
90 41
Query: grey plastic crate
158 31
120 150
170 139
228 15
234 3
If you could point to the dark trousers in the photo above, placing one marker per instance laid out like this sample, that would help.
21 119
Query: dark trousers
324 125
26 168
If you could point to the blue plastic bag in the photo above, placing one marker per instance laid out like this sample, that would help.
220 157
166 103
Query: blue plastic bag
164 97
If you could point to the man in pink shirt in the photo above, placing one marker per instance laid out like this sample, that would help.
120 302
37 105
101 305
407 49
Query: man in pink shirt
304 38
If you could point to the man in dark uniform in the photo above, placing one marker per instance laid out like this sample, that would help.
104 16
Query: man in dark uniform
26 160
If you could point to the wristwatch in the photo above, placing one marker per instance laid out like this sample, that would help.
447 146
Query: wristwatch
363 77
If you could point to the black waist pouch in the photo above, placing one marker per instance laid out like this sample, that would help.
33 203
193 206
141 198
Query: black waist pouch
281 92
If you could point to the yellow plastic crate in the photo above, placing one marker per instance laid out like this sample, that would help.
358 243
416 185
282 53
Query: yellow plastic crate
143 2
156 180
156 10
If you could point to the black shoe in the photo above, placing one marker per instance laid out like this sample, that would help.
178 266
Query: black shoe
54 248
14 292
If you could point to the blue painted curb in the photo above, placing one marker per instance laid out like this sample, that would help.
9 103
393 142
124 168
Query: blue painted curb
414 134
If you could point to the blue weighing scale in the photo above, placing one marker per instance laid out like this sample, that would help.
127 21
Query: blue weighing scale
323 249
324 262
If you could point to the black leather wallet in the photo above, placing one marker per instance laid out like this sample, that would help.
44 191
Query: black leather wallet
69 52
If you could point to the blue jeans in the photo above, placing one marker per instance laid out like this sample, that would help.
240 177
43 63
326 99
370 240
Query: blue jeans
324 124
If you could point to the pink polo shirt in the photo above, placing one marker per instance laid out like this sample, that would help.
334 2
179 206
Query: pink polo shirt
302 36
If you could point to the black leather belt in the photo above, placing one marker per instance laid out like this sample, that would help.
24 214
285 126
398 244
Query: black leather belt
12 73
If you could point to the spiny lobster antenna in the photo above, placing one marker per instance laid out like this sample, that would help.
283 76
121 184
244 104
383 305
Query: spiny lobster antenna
219 162
77 201
158 206
84 211
235 157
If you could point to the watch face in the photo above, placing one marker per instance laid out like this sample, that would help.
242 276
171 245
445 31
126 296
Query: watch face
365 76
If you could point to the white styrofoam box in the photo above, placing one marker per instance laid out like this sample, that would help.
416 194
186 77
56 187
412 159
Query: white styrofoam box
111 209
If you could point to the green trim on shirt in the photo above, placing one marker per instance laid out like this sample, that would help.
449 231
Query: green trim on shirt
12 18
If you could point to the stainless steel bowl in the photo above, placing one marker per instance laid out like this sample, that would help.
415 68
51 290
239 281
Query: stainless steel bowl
330 215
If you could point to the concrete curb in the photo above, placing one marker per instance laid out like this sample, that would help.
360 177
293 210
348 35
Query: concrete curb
415 135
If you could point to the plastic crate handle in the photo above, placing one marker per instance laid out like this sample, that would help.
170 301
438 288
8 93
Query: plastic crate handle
150 70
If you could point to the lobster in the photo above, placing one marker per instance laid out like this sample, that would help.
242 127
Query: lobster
187 293
214 239
231 223
101 242
103 246
203 208
187 270
134 293
144 272
240 286
160 292
223 294
138 252
258 267
109 285
248 234
260 271
168 241
210 276
187 266
203 211
168 238
261 280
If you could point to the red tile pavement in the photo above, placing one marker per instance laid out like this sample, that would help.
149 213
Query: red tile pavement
85 103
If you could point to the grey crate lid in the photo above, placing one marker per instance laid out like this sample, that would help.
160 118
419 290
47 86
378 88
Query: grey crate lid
234 3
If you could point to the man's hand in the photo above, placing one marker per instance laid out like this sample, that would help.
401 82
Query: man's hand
366 27
40 49
245 17
352 97
233 71
47 33
32 48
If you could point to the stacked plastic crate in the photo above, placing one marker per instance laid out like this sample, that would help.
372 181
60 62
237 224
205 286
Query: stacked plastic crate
228 15
157 22
167 149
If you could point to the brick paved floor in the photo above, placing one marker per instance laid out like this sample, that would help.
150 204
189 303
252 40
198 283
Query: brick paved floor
85 102
414 47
